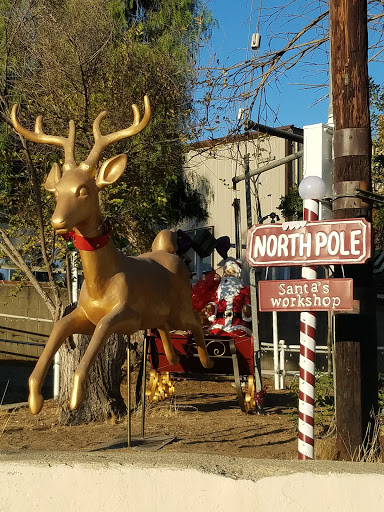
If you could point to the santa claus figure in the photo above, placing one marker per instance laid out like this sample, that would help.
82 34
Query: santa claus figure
229 310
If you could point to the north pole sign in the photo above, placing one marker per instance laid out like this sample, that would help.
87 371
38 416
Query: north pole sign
332 242
306 295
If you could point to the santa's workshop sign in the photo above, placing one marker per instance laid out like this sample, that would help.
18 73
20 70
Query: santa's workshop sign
303 243
306 295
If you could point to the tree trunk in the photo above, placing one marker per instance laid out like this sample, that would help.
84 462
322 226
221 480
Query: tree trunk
103 398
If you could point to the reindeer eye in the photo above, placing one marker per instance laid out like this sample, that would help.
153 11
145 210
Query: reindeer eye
82 192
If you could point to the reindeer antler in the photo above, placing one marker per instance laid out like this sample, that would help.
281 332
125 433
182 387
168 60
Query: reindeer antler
67 143
102 141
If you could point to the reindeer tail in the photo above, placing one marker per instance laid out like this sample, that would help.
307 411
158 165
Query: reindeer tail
166 241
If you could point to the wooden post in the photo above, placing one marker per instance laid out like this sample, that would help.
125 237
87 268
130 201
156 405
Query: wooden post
252 282
356 343
238 245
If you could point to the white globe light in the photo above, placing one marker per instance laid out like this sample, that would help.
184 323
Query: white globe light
312 187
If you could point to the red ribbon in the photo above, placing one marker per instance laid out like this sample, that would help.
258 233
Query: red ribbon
88 244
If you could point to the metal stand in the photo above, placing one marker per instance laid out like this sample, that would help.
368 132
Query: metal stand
152 443
240 397
247 396
129 432
144 385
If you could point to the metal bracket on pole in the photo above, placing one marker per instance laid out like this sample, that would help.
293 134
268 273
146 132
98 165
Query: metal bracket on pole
346 192
372 197
269 130
351 141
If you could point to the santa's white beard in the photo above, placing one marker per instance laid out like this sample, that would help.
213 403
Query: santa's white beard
229 287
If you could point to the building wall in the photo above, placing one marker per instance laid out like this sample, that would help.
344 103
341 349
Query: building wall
219 162
27 334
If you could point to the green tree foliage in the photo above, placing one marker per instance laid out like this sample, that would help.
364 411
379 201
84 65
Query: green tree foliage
71 59
291 205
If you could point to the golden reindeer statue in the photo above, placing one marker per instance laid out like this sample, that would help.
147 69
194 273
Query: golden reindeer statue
120 294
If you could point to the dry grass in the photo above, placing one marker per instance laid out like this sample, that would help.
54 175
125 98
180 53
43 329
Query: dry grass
325 446
325 449
370 449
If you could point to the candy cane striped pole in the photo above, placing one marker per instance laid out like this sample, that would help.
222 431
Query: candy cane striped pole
307 359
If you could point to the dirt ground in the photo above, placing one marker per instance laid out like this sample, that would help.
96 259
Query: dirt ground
204 417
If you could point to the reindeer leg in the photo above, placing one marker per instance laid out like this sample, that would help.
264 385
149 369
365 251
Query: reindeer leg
169 350
119 318
198 335
75 322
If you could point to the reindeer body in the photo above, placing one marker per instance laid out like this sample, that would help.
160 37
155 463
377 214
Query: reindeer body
120 294
163 278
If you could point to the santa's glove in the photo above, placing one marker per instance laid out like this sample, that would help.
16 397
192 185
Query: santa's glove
246 313
211 311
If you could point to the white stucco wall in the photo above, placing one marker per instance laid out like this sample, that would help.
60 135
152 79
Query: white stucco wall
131 480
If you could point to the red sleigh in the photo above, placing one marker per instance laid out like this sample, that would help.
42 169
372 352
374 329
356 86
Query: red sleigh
233 358
231 349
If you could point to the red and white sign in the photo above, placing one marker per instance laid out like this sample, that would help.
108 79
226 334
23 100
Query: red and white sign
327 242
306 295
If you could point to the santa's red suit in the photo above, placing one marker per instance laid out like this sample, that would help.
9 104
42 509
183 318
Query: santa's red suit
228 317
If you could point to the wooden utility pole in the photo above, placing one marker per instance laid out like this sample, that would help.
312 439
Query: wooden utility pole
356 344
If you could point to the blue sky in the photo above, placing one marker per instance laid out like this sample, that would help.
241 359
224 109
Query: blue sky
294 104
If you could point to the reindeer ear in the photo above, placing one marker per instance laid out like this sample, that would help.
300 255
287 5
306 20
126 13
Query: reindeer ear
53 177
111 170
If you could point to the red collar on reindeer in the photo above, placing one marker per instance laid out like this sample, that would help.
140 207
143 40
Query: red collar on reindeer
90 244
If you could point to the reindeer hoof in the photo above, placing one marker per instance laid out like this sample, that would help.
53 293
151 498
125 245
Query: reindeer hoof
205 360
35 399
35 402
208 363
78 393
174 360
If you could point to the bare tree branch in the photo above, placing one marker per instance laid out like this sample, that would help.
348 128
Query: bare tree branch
13 254
40 221
247 81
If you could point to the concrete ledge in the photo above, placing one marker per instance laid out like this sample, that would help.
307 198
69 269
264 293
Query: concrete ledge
150 481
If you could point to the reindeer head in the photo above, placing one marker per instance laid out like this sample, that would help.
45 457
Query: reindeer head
75 187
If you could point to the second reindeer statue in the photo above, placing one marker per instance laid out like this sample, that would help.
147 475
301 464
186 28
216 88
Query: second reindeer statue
120 294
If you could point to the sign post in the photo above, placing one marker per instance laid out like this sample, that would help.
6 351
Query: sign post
306 442
308 243
313 295
329 242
